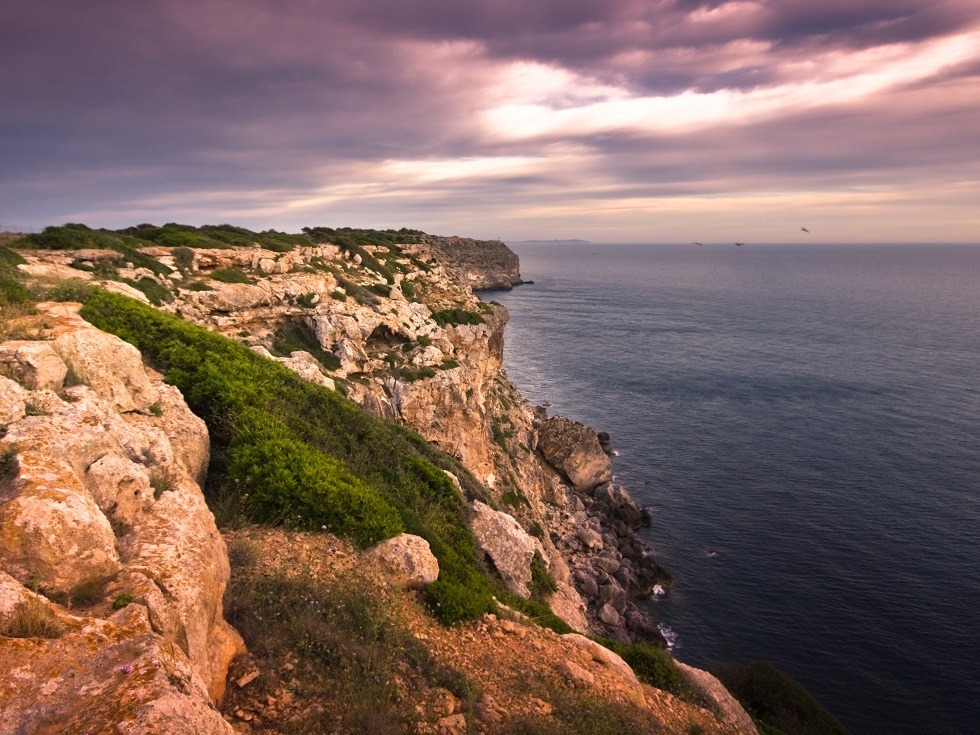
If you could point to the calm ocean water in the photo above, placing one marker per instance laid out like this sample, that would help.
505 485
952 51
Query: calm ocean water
805 423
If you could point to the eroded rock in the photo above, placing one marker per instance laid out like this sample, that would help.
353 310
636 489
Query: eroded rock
409 556
573 449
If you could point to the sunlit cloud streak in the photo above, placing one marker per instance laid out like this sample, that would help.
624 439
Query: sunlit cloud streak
549 119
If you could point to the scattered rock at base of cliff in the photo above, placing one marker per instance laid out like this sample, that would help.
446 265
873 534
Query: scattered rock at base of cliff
573 449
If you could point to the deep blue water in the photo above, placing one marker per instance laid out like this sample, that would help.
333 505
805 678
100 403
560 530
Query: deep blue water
813 414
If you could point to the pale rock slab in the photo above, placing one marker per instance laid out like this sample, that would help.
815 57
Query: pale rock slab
509 546
409 556
35 365
52 532
112 368
101 677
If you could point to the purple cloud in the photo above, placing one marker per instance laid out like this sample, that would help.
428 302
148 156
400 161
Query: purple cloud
302 111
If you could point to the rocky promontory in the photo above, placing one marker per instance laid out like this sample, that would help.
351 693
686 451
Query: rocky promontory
112 568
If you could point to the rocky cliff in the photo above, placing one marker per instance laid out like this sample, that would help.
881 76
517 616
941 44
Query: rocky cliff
112 570
479 264
394 326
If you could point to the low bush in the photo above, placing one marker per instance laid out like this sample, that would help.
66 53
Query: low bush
293 452
156 293
231 275
777 702
542 583
452 317
653 665
72 289
294 336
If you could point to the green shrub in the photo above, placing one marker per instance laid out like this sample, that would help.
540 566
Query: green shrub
70 236
73 289
183 257
231 275
294 336
653 665
10 258
542 583
777 701
307 300
453 317
296 453
157 294
338 295
198 286
290 483
122 599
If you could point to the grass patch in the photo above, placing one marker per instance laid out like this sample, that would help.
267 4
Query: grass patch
32 619
542 583
303 456
231 275
298 336
122 599
157 294
349 646
777 702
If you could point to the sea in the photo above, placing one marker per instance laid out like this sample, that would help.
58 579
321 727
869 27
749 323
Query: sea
804 423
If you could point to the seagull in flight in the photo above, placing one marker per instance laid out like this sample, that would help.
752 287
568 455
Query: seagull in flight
697 243
804 229
739 244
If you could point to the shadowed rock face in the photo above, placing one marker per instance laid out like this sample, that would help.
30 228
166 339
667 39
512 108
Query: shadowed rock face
480 264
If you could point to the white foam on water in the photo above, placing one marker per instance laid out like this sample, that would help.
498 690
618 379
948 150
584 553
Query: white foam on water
658 591
669 635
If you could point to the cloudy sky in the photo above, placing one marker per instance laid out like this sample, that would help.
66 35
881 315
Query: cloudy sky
608 120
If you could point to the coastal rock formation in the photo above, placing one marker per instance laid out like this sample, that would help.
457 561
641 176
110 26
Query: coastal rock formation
397 329
105 539
480 264
573 449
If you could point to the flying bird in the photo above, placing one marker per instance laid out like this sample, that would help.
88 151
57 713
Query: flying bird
804 229
739 244
697 243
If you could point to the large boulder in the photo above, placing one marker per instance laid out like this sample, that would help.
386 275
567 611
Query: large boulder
99 499
409 556
509 546
52 533
573 449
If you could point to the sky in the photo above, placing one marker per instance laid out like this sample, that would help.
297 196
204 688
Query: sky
605 120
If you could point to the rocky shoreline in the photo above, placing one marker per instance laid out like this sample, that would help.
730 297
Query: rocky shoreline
103 461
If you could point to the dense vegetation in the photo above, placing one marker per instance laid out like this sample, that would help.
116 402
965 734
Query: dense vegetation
75 236
288 452
777 702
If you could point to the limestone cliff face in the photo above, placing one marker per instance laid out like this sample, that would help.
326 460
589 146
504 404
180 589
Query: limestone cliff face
398 329
479 264
112 570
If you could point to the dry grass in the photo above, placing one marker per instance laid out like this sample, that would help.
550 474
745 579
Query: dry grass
32 619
